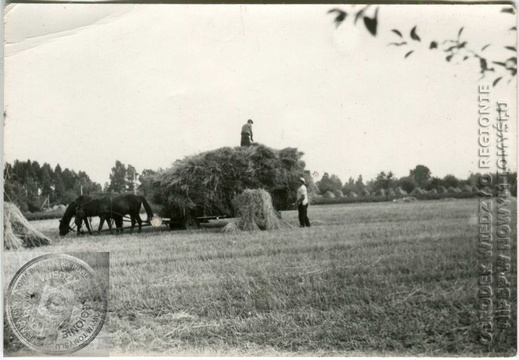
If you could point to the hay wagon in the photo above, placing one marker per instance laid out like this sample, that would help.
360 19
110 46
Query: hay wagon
186 223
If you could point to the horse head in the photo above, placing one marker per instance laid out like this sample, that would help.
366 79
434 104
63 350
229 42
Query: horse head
80 216
64 227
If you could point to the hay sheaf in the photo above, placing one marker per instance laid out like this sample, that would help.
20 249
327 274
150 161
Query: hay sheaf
18 232
206 184
255 212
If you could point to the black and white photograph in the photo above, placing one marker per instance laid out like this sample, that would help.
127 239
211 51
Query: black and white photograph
260 180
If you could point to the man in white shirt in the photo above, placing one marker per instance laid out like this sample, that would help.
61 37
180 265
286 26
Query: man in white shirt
302 204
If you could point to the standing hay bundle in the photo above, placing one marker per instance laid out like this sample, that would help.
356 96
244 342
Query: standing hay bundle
442 189
18 232
255 211
400 191
380 192
364 192
338 193
417 191
329 195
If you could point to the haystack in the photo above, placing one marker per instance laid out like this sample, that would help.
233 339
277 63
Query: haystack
417 191
338 193
442 189
451 189
352 194
380 192
391 192
400 191
329 195
364 192
434 191
18 232
255 212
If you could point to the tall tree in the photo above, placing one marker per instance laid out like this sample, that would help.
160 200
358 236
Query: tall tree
118 178
421 174
131 178
383 181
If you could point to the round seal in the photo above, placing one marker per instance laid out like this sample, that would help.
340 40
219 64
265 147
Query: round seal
56 304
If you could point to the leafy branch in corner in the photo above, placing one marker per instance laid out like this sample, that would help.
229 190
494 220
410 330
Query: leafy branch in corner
457 48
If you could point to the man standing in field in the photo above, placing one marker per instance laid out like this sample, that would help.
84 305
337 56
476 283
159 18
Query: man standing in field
302 204
246 134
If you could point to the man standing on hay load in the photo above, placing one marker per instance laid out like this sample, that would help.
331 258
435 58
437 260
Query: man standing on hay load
246 133
302 204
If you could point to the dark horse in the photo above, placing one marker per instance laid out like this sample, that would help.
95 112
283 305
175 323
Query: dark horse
106 208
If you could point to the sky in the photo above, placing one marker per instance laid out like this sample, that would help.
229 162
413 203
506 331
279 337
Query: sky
89 84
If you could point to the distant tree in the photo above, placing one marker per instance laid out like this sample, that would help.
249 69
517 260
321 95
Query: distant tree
349 186
384 181
329 183
359 184
450 180
118 178
421 174
131 177
146 181
407 183
434 183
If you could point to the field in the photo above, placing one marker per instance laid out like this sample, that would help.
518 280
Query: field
365 279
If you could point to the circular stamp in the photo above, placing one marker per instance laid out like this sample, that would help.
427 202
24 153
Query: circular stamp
55 304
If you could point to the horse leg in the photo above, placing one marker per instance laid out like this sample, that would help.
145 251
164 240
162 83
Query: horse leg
119 224
139 221
101 223
78 228
133 223
87 224
109 222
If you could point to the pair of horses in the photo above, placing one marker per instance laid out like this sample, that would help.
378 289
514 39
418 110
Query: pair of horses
107 208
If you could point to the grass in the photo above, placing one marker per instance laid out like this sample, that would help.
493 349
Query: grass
365 279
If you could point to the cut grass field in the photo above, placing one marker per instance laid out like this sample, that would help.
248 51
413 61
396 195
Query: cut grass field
365 279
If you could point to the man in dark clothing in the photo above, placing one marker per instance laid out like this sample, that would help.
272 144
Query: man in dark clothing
246 134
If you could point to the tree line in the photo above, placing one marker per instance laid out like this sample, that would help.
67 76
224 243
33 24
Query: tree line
419 177
33 187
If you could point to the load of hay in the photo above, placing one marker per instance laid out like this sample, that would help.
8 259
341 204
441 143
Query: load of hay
18 232
255 212
206 184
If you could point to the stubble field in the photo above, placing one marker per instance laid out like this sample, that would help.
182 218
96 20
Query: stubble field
365 279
